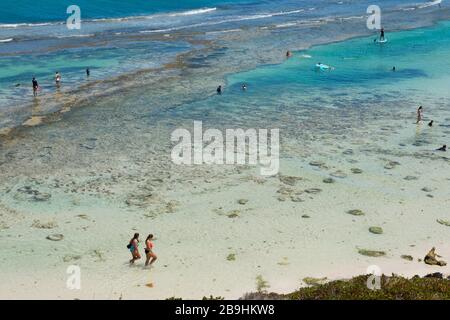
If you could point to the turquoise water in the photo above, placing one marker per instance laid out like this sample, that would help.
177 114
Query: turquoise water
417 54
362 77
31 47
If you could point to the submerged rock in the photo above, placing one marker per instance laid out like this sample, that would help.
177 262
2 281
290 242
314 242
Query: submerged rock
71 257
355 212
289 180
233 214
296 199
356 170
328 180
313 190
391 165
407 257
42 196
242 201
231 257
443 222
376 230
44 225
55 237
317 163
339 174
371 253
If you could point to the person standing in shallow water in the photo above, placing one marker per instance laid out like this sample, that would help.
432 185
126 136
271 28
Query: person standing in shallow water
419 114
88 72
151 257
57 79
219 90
35 86
133 247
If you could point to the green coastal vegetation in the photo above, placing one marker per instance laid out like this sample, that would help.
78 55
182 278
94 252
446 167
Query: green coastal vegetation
431 287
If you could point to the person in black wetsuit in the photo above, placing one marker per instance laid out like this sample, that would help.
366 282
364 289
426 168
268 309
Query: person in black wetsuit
382 34
219 90
88 72
443 148
35 86
430 124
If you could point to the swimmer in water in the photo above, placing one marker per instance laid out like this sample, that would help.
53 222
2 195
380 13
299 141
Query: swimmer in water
430 124
288 54
244 87
419 114
443 148
393 68
219 90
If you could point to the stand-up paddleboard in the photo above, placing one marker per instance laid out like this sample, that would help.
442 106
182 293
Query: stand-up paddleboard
380 41
322 66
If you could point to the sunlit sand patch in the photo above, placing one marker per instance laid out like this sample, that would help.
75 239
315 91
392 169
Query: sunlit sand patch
34 121
5 131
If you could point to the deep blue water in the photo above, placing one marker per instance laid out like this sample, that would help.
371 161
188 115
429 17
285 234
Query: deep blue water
32 11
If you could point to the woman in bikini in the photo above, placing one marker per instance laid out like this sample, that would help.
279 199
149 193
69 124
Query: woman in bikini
151 257
133 246
419 114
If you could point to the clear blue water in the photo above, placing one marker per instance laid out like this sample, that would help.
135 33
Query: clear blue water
362 77
35 42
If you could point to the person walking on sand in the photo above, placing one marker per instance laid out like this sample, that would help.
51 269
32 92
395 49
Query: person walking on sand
151 257
419 114
133 247
35 86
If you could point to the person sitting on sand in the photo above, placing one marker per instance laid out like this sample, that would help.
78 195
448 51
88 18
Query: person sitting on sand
443 148
133 246
219 90
430 124
35 86
431 256
419 114
151 257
